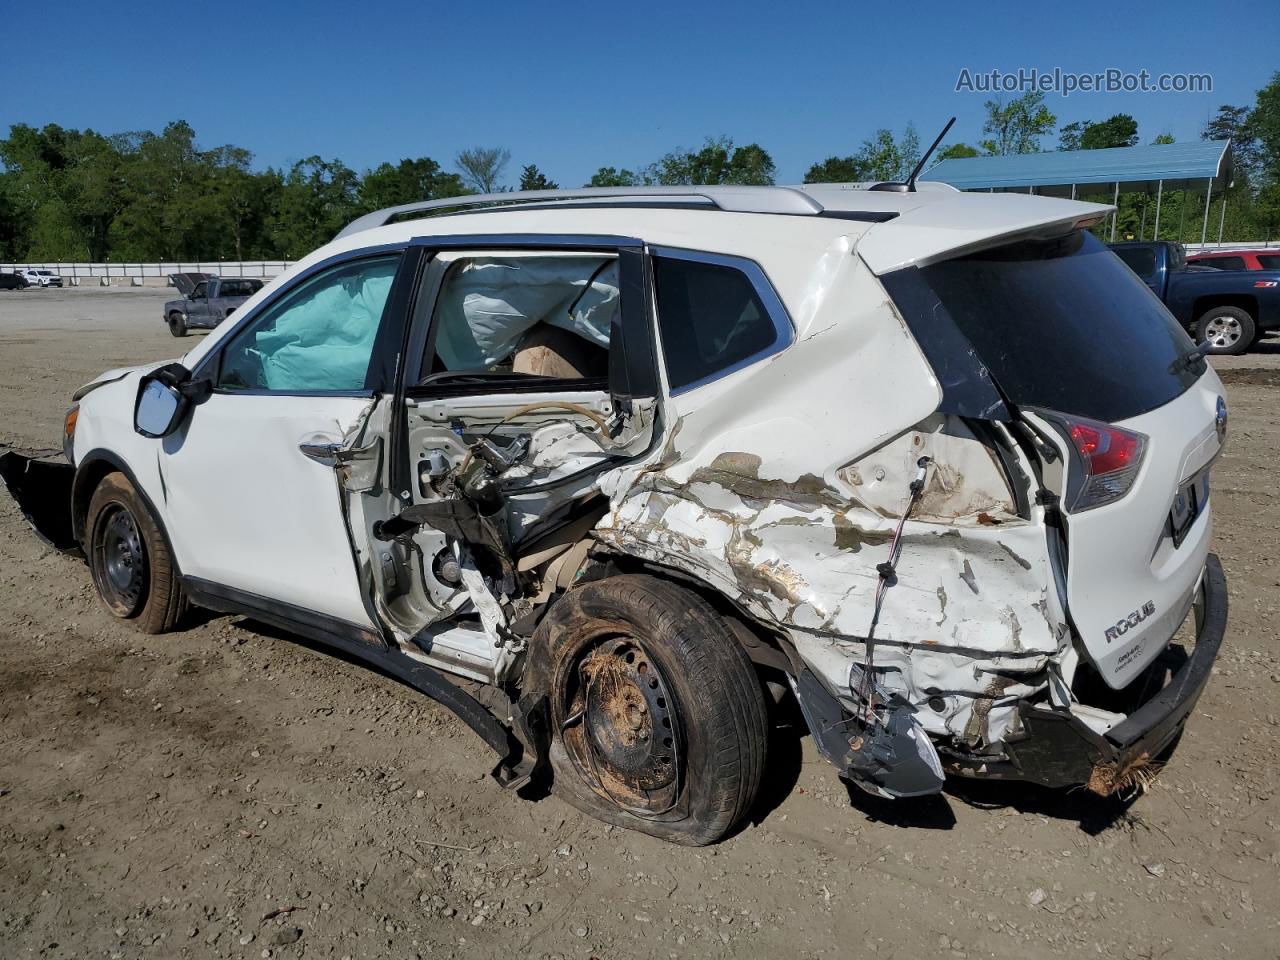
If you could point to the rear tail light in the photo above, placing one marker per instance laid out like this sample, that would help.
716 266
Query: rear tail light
1106 461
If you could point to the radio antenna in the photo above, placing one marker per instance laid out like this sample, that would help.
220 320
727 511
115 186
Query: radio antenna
911 180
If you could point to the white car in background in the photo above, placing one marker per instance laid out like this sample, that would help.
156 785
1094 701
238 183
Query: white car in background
607 471
43 278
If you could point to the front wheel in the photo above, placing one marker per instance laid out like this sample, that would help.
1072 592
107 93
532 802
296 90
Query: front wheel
659 719
129 559
1229 331
177 324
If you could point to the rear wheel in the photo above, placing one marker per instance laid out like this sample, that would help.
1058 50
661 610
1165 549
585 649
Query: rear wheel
1228 330
659 720
177 324
129 558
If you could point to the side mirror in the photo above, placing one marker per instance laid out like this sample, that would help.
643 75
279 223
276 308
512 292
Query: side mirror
159 409
164 396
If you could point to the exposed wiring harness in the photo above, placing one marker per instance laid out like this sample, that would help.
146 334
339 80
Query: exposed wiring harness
577 408
888 576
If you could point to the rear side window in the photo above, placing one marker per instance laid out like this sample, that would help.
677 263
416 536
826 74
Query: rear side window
716 315
1269 261
1060 324
1141 262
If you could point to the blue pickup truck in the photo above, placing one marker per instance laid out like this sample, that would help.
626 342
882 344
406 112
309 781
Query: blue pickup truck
1229 310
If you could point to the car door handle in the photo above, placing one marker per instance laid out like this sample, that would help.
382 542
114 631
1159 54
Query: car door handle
320 451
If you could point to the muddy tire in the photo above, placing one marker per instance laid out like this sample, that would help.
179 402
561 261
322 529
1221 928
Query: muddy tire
658 717
1229 330
177 324
129 558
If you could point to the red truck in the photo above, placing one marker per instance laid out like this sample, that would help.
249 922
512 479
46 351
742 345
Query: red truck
1237 259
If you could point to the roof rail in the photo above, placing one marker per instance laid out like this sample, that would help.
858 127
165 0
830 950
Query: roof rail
735 199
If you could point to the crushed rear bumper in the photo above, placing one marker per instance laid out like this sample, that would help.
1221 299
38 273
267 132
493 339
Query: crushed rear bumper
1057 749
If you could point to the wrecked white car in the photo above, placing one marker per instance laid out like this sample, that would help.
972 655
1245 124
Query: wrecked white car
607 472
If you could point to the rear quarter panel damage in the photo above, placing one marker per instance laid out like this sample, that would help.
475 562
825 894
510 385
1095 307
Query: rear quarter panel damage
756 491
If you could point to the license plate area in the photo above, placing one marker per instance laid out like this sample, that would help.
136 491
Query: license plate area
1188 503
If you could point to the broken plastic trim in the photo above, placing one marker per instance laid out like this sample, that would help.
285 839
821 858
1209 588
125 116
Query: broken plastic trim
890 758
1057 749
42 490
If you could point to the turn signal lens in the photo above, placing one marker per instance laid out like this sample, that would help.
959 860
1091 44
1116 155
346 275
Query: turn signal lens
69 432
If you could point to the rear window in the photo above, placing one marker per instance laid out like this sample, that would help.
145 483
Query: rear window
1063 324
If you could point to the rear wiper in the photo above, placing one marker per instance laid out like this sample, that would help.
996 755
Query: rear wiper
476 376
1191 358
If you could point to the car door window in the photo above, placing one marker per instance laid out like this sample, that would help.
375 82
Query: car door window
1269 261
317 337
540 316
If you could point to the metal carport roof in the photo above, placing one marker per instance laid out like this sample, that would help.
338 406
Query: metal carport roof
1197 164
1178 165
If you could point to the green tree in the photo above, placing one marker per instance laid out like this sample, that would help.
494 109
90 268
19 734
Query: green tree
1017 126
881 157
718 161
317 200
1227 124
1262 133
1069 135
482 167
955 151
531 178
613 177
409 181
838 170
62 191
1120 130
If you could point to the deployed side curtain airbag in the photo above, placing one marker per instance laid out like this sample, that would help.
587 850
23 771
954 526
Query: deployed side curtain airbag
324 341
488 304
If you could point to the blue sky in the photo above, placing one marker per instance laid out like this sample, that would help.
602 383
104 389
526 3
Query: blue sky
574 86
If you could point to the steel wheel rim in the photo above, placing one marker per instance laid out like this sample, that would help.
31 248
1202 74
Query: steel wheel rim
1223 331
120 567
622 731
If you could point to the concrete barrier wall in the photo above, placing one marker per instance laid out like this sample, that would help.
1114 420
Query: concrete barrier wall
152 274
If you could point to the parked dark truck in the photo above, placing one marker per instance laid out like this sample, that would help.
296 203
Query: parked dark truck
1227 309
206 300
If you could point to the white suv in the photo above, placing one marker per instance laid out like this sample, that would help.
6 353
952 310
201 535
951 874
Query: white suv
43 278
608 471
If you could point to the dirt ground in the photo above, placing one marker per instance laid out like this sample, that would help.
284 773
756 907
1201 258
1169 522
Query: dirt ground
229 791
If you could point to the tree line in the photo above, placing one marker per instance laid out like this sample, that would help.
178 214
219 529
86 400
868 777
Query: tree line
144 196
